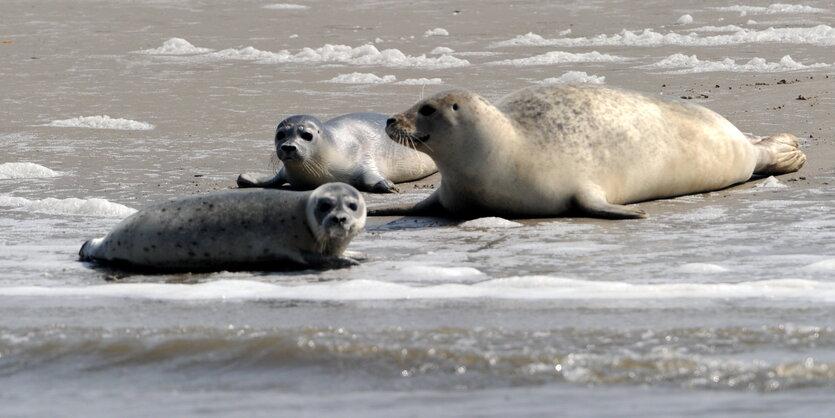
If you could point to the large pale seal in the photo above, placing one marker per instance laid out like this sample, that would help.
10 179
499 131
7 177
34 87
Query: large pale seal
249 230
543 151
352 149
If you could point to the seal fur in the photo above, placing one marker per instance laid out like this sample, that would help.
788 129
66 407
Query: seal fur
546 150
351 148
236 230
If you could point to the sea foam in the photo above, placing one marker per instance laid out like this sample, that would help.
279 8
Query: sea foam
561 57
575 77
70 206
102 122
370 78
520 288
175 46
821 35
436 32
421 81
692 64
490 222
362 78
366 55
285 6
776 8
25 171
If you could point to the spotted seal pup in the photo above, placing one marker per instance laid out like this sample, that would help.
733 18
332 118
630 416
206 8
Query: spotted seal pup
352 148
546 150
237 230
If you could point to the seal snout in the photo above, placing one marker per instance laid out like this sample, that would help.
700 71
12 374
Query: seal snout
402 130
288 149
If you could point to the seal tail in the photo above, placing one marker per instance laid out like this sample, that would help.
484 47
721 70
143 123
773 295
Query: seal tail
778 154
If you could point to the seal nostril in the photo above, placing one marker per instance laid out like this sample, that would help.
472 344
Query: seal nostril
288 148
390 121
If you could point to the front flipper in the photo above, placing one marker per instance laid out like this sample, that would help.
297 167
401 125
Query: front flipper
592 201
431 206
375 183
255 180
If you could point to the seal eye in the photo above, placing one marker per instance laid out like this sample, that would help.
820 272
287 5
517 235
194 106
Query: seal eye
279 135
307 136
325 206
455 106
352 206
426 110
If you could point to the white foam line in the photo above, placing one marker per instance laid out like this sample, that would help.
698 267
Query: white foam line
365 55
285 6
776 8
525 288
102 122
821 35
25 171
175 46
692 64
560 57
70 206
575 77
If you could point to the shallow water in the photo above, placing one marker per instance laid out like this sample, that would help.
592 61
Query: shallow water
718 304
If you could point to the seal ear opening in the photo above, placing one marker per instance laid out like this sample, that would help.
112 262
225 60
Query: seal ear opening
455 106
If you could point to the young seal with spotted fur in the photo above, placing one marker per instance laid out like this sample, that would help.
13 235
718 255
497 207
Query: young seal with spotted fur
236 230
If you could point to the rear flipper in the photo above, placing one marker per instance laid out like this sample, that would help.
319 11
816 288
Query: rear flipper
778 154
592 201
254 180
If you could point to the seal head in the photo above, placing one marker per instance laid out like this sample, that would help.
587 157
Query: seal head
335 214
296 137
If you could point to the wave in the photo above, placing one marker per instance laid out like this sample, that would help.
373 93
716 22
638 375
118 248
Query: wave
692 64
575 77
776 8
102 122
175 46
518 288
70 206
365 55
25 171
442 357
362 78
560 57
285 6
821 35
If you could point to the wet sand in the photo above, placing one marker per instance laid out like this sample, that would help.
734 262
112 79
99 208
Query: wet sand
718 304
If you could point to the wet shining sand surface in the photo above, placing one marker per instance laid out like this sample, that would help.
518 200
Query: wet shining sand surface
718 304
